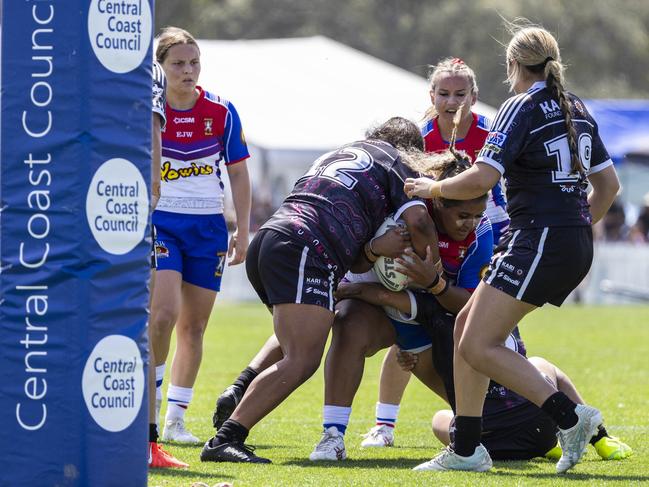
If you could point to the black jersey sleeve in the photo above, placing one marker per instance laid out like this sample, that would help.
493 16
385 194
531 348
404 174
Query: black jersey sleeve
397 175
508 133
158 93
597 158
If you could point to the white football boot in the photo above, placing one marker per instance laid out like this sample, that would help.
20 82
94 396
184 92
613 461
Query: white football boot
378 437
175 431
574 441
480 461
331 446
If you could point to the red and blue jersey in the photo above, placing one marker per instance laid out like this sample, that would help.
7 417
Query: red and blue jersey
464 262
194 143
471 144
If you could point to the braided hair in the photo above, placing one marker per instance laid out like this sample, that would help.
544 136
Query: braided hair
536 50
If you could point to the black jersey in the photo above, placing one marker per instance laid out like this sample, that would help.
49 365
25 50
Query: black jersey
341 201
501 404
528 144
158 93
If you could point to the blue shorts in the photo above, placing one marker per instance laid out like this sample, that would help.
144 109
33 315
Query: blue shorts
411 338
194 245
498 230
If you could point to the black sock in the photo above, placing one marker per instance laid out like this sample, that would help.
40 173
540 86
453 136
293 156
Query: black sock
245 378
230 432
560 408
601 433
153 433
467 435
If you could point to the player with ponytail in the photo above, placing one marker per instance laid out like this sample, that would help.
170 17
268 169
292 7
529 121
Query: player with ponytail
546 145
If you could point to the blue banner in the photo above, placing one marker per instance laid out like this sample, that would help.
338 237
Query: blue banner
75 126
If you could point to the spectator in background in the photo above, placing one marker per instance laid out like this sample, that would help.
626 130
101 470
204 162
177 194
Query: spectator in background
640 230
614 227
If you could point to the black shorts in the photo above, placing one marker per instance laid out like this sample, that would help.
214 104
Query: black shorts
531 438
541 265
282 270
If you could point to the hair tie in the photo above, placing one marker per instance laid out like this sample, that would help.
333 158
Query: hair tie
457 60
541 66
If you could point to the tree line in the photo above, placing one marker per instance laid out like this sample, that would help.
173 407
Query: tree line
605 43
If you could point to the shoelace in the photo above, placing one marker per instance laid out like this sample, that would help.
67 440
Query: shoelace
327 440
248 448
373 433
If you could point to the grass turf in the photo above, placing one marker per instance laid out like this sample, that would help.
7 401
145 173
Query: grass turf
604 350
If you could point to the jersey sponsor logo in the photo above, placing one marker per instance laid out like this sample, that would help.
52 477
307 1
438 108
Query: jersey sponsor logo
509 267
184 135
493 148
167 173
505 277
551 109
183 119
496 139
483 271
313 281
218 272
319 292
443 244
207 123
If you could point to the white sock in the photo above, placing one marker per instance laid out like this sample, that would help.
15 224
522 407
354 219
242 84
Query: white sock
386 414
178 399
336 416
159 376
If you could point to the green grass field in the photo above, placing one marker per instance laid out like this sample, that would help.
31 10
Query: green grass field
605 350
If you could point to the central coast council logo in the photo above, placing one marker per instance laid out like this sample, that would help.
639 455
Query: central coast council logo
120 32
113 382
117 206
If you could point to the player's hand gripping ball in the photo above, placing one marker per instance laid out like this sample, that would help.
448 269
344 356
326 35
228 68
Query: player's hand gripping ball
385 267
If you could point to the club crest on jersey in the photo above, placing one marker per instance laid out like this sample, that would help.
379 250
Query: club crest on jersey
208 122
461 252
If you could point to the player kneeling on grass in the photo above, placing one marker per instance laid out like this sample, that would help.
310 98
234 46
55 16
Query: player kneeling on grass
504 435
362 327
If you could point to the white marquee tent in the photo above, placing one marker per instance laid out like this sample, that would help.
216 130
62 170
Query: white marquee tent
297 99
300 97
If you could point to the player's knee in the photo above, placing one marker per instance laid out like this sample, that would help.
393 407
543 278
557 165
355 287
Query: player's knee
163 319
458 329
471 350
305 365
440 424
349 336
191 332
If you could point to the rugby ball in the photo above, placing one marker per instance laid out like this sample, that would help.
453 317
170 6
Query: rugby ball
385 268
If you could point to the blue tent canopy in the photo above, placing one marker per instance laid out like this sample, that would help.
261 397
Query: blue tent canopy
623 125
